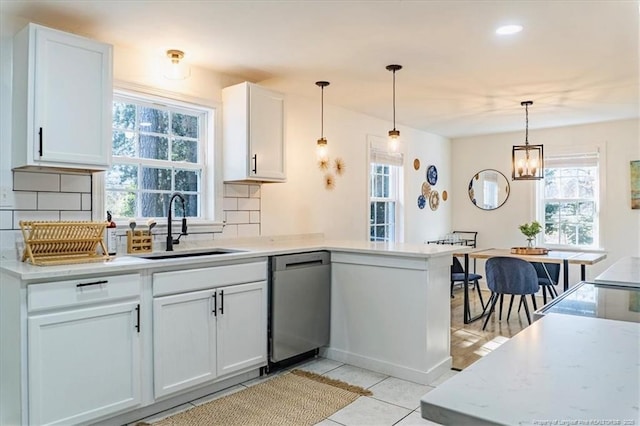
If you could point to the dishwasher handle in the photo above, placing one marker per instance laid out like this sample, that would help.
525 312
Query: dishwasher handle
301 260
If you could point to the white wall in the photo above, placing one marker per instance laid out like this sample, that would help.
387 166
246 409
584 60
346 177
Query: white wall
620 225
303 205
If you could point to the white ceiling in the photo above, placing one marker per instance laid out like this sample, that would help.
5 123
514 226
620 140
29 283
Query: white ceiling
577 60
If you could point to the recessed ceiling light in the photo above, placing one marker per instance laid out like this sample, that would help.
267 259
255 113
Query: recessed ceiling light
508 29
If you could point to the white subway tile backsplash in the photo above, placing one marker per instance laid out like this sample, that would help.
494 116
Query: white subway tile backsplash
248 203
6 219
27 181
75 183
236 190
25 200
254 217
47 215
249 230
86 201
230 203
59 201
229 231
254 191
234 217
75 216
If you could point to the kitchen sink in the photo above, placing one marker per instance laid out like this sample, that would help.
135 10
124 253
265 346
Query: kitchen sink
178 254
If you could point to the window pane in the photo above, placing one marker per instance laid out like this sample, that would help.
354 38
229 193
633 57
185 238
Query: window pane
182 150
154 204
121 204
569 188
153 178
124 115
153 120
155 147
124 143
184 125
191 204
187 180
381 213
122 177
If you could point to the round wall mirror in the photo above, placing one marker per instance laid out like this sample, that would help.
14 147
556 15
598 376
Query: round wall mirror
488 189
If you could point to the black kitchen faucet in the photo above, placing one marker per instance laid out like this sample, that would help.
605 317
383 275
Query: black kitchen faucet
170 240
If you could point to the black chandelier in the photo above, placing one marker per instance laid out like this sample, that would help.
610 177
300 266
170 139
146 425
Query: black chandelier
527 160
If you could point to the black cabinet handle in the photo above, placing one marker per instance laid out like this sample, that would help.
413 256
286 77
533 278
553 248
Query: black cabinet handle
215 304
221 302
138 318
92 283
255 163
40 136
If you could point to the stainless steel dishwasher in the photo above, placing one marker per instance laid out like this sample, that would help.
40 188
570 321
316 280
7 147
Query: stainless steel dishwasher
300 297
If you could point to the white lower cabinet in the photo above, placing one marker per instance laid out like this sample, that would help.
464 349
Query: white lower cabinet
200 336
184 341
242 327
84 362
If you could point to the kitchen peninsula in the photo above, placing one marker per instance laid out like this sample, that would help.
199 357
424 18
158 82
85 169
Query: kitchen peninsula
389 313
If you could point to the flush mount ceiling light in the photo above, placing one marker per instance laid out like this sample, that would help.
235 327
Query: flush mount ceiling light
394 135
508 29
527 160
321 145
176 70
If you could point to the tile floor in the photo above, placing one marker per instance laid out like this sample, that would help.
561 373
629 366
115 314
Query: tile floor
394 401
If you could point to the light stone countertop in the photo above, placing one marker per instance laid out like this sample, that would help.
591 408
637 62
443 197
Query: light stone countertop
260 247
625 272
560 369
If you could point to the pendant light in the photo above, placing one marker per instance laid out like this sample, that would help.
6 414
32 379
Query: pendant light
321 145
175 70
527 160
394 135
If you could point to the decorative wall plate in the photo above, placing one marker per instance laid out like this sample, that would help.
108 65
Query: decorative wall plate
422 201
445 195
432 174
416 164
426 189
434 200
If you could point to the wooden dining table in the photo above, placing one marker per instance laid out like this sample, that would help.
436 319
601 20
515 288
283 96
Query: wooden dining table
564 257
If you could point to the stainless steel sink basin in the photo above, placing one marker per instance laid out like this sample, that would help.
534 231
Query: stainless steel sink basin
178 254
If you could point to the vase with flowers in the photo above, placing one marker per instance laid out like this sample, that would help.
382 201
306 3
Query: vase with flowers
530 230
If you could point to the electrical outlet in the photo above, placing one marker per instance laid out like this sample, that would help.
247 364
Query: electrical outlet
6 196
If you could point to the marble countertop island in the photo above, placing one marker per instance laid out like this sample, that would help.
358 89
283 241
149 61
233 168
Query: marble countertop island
560 370
625 272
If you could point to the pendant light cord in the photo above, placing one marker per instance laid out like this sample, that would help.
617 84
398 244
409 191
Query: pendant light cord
394 99
526 132
322 112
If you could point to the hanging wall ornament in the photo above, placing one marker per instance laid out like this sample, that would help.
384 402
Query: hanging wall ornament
323 164
329 181
338 165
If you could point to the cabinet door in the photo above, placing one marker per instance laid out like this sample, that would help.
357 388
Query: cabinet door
83 363
266 134
72 99
184 341
242 327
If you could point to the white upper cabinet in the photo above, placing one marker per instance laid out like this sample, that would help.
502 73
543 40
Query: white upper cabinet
253 133
62 96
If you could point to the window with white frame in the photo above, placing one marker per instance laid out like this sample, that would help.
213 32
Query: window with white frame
159 147
384 194
569 200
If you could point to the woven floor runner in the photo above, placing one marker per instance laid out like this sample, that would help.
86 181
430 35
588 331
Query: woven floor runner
296 398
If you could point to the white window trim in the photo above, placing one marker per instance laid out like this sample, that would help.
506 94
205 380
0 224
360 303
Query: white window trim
600 148
379 143
212 185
